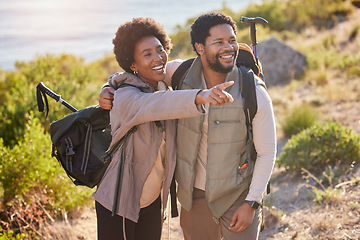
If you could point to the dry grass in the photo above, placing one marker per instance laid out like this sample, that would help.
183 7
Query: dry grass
305 219
81 226
336 100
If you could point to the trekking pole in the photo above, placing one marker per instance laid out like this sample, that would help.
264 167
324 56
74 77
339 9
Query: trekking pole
252 22
41 90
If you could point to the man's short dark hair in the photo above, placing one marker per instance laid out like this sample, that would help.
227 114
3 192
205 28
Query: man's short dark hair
201 27
129 33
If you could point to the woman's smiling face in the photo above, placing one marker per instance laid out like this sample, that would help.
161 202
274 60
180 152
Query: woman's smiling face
149 60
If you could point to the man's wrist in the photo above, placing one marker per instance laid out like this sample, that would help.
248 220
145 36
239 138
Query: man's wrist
253 204
199 98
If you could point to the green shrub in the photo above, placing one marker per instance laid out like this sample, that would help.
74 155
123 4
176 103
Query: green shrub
329 41
354 32
77 83
320 146
181 40
356 3
320 57
272 11
10 235
106 66
349 63
327 196
298 119
28 169
297 15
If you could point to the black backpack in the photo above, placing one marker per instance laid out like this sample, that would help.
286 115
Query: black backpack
80 141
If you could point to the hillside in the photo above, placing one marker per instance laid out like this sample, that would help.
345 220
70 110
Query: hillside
293 214
290 212
339 95
296 215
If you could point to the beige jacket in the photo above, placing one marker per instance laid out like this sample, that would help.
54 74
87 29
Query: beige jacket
134 107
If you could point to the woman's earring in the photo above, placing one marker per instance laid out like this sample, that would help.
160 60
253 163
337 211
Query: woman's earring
135 72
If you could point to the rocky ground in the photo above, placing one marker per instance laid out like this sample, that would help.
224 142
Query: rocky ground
292 213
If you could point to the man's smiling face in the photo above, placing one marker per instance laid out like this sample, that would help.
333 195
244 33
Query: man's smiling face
221 48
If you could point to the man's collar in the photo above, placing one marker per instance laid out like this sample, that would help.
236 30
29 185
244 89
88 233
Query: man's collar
194 75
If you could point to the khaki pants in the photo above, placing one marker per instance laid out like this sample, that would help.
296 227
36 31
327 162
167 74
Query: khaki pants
198 223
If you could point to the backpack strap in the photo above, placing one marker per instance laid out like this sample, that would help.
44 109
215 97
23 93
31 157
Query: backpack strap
248 95
174 210
250 108
120 171
179 74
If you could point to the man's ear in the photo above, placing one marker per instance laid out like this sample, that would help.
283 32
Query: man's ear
199 48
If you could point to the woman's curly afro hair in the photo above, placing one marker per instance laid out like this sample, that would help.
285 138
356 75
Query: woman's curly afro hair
201 27
129 33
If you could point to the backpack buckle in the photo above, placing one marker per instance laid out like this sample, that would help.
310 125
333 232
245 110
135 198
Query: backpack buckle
69 153
69 147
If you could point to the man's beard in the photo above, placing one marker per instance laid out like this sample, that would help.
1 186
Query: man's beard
216 65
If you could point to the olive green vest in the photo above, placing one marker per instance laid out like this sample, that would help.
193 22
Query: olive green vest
227 133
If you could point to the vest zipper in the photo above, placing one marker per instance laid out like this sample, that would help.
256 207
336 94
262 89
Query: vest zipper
226 121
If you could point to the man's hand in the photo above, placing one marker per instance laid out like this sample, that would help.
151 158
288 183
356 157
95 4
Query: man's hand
106 98
242 218
215 95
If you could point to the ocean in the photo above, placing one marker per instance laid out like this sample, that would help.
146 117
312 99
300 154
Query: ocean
85 28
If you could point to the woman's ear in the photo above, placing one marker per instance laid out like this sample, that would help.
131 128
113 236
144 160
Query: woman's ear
199 48
133 67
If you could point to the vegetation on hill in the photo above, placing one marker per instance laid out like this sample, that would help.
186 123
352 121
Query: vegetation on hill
319 146
34 188
286 19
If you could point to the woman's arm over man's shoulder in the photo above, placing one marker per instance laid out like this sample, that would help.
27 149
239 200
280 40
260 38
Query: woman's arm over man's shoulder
171 67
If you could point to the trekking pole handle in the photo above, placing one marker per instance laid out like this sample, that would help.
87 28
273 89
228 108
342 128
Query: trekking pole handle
252 22
55 96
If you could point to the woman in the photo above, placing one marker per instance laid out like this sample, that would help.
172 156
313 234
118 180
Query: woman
141 47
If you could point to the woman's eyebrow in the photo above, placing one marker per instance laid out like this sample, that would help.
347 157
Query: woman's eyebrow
149 49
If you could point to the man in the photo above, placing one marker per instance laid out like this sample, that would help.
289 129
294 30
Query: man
218 191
